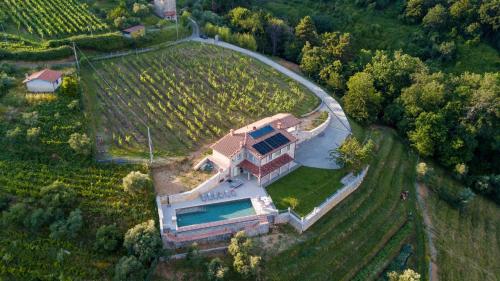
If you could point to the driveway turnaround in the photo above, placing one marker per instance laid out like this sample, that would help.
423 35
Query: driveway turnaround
315 152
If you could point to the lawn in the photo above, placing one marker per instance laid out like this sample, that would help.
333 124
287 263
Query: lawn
311 186
366 229
187 94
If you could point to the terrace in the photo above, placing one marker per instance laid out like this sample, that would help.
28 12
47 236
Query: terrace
249 189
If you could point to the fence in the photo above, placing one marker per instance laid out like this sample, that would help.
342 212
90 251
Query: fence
189 195
301 224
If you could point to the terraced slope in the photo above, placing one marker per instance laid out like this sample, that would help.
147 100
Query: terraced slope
350 236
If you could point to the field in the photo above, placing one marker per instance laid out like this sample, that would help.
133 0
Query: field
310 186
366 230
50 18
188 94
28 165
468 242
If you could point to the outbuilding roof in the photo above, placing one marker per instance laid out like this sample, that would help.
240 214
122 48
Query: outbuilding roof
45 75
134 28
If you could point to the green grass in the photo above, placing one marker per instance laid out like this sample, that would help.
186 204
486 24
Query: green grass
344 241
311 186
468 242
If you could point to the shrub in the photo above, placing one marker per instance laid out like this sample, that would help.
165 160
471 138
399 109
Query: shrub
292 202
144 242
136 182
57 195
67 228
108 238
32 134
73 104
80 143
69 86
130 269
352 154
216 271
15 215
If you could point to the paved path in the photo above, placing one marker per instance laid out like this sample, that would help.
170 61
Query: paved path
315 152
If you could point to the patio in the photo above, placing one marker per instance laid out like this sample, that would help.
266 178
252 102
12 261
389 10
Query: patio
261 201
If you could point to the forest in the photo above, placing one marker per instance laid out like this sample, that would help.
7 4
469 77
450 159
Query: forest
444 113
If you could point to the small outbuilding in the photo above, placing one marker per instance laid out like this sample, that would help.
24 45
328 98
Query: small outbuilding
44 81
134 31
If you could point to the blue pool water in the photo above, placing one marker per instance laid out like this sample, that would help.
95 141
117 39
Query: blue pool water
214 212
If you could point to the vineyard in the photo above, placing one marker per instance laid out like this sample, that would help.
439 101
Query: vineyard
48 18
187 95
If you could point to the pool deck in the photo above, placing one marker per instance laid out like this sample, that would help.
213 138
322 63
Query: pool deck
250 189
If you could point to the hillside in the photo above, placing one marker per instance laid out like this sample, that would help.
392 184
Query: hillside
188 94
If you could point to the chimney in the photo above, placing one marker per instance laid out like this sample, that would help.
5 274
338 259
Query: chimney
231 132
241 144
254 128
279 125
245 140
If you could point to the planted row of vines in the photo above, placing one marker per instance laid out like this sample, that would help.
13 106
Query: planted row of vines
187 95
48 18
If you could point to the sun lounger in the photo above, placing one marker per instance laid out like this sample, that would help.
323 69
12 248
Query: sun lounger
220 195
203 197
210 196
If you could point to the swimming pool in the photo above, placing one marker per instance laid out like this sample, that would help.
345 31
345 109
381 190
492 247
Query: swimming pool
214 212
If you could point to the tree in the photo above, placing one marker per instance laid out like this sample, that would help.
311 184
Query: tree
245 20
216 271
332 76
429 133
436 18
193 255
407 275
276 29
136 182
352 154
108 238
240 248
362 101
141 10
58 195
305 31
129 268
80 143
414 10
6 82
422 171
144 242
67 228
489 13
15 215
13 134
69 86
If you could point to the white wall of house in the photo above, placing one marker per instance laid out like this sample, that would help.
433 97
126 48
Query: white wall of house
221 159
290 149
42 86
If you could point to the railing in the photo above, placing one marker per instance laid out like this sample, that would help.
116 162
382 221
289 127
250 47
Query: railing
219 223
189 195
307 135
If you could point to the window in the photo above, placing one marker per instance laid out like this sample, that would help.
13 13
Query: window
276 154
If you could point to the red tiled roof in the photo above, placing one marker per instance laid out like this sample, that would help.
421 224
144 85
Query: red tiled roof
231 144
45 75
133 29
266 168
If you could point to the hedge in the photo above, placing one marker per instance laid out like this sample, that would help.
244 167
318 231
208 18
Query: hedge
101 42
37 54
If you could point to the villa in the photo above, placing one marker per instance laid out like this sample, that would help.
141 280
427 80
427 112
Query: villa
234 199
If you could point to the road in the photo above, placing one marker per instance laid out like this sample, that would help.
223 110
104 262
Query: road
315 152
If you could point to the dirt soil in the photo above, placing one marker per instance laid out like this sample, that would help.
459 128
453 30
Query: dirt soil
423 193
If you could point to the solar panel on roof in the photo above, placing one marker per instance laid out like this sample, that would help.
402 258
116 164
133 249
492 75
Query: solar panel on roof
262 147
261 132
277 140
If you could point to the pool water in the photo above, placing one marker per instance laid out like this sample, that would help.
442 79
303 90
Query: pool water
214 212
